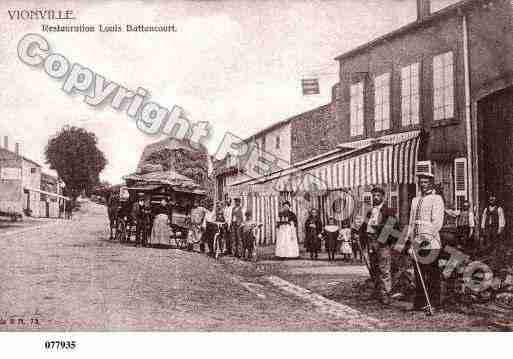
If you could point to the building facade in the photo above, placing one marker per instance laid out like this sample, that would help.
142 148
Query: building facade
24 188
435 94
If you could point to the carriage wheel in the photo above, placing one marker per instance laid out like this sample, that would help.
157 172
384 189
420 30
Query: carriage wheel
121 234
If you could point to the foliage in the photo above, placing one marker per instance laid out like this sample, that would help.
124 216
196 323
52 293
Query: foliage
191 163
74 154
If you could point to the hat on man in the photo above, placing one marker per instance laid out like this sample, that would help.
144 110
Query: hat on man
378 190
425 174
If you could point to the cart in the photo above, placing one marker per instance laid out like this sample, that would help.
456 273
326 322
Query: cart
180 203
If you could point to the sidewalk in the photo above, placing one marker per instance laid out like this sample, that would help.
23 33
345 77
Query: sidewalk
347 283
7 226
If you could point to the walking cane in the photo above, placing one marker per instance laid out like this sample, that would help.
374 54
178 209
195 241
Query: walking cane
429 308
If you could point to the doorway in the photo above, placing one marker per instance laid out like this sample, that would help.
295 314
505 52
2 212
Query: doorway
495 148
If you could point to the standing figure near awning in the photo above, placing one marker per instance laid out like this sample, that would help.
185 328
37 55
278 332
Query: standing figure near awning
286 238
426 220
331 234
313 229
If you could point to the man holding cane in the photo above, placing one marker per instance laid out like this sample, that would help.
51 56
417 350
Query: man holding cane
426 220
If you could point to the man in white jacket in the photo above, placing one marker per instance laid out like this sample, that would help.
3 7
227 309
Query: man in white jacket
426 220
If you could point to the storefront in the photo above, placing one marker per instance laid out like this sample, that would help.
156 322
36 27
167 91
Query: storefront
337 183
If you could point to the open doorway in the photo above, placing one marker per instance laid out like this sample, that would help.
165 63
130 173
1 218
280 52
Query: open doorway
495 148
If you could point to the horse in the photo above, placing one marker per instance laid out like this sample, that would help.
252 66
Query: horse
112 211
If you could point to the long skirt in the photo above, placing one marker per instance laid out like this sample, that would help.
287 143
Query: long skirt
286 242
312 242
161 233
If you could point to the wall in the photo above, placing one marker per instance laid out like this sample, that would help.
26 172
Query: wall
252 164
491 47
315 132
31 180
10 189
446 138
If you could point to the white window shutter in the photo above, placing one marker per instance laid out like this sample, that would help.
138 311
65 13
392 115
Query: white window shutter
460 181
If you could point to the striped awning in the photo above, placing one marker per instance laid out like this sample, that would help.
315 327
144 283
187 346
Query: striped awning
381 161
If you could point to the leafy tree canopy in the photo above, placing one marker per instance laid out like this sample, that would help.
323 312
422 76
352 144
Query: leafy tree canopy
74 154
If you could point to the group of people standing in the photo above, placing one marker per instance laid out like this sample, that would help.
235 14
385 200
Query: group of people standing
151 224
380 232
336 238
234 228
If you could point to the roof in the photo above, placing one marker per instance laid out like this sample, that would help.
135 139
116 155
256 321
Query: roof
144 187
172 178
12 155
47 177
51 194
438 15
342 151
283 122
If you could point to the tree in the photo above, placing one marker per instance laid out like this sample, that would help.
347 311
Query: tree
74 154
188 163
191 163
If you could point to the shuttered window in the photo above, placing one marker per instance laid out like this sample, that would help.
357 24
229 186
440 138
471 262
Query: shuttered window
356 105
410 95
460 181
443 86
382 102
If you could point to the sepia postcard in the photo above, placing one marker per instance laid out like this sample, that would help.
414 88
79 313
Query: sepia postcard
227 166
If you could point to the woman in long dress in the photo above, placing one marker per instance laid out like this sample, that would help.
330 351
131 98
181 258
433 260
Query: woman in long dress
313 229
286 238
161 232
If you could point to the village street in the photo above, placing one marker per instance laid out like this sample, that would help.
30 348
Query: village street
67 276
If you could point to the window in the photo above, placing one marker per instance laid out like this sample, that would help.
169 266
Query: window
277 142
443 86
356 104
32 170
410 95
382 102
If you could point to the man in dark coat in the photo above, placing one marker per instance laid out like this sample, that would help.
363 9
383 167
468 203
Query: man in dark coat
237 219
379 253
141 216
492 226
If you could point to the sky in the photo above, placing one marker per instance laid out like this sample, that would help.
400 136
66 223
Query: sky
236 64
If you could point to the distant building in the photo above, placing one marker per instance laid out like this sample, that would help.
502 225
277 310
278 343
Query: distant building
24 189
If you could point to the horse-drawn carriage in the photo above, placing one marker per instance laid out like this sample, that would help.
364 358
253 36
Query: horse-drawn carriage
179 204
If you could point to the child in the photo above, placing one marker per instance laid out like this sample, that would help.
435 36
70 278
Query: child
248 236
345 238
330 233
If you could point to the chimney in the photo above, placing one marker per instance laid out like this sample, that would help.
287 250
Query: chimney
423 9
6 142
17 149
